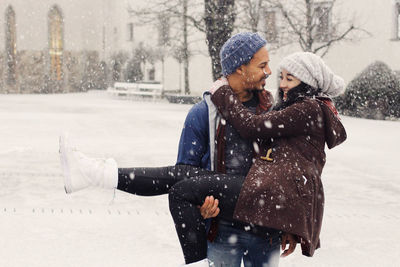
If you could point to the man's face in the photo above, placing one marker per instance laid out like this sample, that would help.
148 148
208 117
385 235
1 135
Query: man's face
256 71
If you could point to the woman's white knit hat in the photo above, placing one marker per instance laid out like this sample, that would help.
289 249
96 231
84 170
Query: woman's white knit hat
312 70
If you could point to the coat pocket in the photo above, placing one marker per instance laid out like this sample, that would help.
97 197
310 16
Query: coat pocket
304 185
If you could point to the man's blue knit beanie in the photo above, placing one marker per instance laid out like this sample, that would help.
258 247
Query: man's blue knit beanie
238 50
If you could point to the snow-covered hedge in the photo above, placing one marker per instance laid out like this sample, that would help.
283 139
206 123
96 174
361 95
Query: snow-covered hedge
81 71
372 94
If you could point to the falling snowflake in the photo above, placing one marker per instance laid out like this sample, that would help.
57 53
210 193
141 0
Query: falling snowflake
268 124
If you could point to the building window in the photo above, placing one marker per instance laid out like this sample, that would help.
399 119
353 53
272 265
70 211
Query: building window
322 16
163 30
11 46
271 29
398 25
55 43
130 31
152 74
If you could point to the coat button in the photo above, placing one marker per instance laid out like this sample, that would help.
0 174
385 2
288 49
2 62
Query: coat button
268 156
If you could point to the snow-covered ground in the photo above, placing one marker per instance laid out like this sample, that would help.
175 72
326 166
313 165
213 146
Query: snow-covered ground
42 226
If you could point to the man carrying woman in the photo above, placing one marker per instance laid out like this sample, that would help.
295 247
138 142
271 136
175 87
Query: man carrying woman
282 193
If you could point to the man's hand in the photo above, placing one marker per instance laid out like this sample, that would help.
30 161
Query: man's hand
292 244
209 209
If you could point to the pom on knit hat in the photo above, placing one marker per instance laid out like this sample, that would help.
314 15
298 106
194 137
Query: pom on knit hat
312 70
238 50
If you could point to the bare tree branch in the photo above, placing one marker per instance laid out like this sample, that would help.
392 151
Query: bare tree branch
285 14
301 19
331 41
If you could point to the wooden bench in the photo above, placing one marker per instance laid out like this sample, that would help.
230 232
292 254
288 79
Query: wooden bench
182 99
153 90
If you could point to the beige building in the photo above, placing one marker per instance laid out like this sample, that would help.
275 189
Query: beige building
71 45
380 40
47 44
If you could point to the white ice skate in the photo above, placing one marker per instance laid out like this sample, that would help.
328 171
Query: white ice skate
202 263
80 171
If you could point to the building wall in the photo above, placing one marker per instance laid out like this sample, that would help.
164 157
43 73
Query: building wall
199 65
377 17
85 43
348 58
97 29
91 26
82 23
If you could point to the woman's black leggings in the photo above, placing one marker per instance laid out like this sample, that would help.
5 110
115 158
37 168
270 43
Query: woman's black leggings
155 181
188 186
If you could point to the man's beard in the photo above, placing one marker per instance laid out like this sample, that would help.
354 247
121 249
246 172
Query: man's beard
257 88
261 86
254 90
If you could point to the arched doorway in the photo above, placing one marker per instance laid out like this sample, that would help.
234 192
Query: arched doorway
56 32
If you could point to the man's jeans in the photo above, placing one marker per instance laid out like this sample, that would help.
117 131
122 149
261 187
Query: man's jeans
231 245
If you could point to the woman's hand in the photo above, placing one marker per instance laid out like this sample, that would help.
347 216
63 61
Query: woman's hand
292 244
209 209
